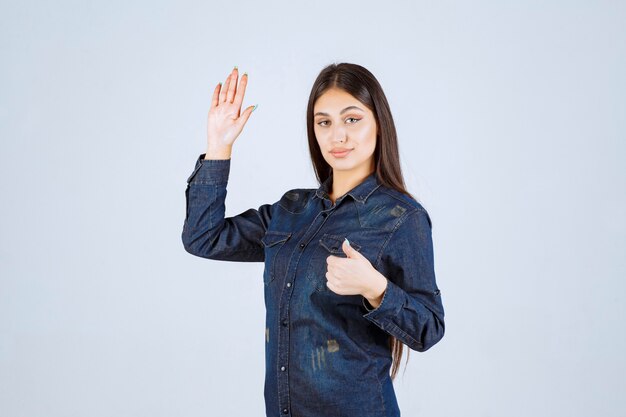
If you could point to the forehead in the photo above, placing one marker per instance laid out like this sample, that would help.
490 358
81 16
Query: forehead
334 100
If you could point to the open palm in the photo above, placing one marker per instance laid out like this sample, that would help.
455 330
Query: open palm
225 120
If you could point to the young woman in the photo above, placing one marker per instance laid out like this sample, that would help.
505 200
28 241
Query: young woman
349 274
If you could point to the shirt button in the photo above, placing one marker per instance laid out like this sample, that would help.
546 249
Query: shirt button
289 284
302 245
285 411
285 322
282 368
324 214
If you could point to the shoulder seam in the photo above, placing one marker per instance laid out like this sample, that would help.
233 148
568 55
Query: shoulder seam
299 191
420 207
393 232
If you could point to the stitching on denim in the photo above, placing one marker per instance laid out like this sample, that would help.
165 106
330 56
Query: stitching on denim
306 195
358 215
282 245
391 234
403 334
210 207
262 222
338 239
392 195
214 181
363 199
380 392
382 300
376 309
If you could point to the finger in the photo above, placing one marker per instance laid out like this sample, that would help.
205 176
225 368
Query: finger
233 85
246 115
216 93
224 90
331 287
241 90
331 277
349 250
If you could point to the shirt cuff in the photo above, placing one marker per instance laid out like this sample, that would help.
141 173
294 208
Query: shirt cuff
210 171
389 305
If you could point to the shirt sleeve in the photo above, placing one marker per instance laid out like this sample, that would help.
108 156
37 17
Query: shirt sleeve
411 308
207 233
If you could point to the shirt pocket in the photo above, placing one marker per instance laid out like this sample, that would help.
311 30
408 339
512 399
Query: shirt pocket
327 245
276 260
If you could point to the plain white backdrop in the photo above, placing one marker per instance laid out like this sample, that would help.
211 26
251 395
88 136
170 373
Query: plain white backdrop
512 127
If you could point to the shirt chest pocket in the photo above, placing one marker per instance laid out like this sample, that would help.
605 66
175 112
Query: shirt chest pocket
327 245
276 255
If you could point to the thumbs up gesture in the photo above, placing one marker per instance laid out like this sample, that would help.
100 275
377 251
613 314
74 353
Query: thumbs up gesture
355 275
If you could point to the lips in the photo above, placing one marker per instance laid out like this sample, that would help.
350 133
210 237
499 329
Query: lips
340 151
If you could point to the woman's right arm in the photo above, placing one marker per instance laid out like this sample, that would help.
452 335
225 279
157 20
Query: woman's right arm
206 232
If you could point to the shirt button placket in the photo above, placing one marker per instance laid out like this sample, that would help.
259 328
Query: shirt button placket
283 347
283 342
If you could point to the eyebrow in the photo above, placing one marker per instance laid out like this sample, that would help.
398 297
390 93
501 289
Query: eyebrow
319 113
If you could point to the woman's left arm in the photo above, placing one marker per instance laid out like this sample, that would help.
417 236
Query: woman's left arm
411 309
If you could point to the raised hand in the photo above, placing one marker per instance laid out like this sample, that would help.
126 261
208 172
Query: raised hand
225 120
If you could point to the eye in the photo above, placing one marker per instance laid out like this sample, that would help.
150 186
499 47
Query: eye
320 123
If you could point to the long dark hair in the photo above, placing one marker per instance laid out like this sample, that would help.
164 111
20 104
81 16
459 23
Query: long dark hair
362 85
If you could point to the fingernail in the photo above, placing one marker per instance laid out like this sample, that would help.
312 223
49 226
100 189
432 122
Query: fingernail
245 73
347 241
255 106
220 83
235 67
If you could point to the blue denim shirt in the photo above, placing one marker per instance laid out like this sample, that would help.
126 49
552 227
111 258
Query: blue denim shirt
325 354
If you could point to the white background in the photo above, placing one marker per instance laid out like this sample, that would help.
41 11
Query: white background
512 124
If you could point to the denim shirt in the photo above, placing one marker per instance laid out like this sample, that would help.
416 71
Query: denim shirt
325 354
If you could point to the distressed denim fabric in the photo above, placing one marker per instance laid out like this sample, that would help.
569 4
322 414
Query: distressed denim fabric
325 354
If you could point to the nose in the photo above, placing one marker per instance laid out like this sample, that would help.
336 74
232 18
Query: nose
339 135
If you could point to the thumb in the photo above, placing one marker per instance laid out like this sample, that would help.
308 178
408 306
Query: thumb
243 118
349 250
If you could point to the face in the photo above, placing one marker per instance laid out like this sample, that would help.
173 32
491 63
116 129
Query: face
345 130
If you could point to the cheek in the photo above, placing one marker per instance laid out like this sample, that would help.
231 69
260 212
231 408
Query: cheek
368 137
320 135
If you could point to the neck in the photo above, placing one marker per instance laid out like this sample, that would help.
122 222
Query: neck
344 181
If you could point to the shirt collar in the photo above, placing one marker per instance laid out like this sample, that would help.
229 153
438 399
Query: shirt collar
359 193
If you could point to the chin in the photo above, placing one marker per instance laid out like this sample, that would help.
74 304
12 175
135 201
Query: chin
342 167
